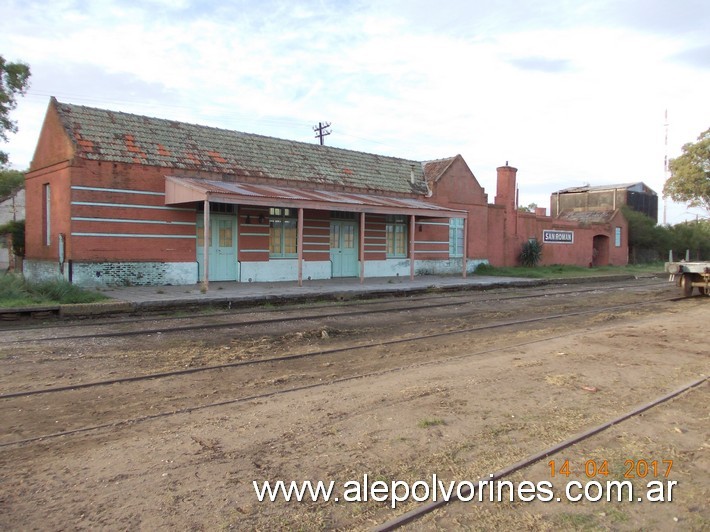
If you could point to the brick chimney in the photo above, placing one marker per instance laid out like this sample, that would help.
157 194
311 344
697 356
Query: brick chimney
506 196
505 190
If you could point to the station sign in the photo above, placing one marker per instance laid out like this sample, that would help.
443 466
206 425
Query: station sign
550 236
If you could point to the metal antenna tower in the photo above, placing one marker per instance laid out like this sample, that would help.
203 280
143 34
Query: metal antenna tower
665 169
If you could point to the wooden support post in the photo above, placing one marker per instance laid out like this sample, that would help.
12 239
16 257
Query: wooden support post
362 247
206 240
411 247
299 244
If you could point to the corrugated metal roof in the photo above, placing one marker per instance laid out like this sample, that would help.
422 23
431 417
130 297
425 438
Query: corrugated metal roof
247 193
104 135
638 186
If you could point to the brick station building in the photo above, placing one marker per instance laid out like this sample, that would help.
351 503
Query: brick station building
115 198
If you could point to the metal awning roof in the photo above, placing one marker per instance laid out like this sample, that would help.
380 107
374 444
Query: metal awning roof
186 189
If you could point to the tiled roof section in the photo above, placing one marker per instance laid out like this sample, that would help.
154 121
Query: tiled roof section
433 170
104 135
587 217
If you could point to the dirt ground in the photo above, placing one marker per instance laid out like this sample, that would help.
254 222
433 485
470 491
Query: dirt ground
459 406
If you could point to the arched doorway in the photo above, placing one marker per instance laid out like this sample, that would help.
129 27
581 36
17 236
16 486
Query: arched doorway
600 251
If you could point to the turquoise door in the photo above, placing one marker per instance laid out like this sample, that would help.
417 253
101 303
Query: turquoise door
222 250
343 248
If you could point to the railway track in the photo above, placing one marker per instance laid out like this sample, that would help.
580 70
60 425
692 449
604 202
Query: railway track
489 294
466 493
275 365
177 325
319 353
82 431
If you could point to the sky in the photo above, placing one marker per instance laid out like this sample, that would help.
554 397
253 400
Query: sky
569 92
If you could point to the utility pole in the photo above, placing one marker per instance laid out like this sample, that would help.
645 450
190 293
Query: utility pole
321 131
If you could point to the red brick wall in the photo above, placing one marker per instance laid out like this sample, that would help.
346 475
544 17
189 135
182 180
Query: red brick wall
104 199
254 235
580 253
316 235
375 235
53 145
459 189
497 231
431 242
58 179
497 241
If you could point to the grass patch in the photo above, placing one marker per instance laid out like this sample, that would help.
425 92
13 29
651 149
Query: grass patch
561 271
15 291
571 521
426 423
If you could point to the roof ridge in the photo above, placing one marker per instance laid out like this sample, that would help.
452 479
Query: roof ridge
225 130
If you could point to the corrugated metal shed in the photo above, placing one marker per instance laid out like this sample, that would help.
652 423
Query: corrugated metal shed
633 187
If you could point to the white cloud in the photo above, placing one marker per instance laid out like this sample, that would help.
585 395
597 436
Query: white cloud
569 93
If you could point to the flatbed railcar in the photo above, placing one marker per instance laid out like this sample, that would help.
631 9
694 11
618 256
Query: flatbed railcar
689 275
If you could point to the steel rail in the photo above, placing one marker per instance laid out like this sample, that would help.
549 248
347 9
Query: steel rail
205 326
424 509
274 393
322 352
286 307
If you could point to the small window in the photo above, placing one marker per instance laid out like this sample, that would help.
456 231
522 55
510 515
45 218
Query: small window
337 215
348 236
218 208
456 237
226 235
396 233
47 193
283 229
617 237
200 234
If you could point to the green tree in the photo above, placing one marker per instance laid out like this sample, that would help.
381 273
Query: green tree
9 181
647 240
529 208
14 81
17 231
690 174
692 236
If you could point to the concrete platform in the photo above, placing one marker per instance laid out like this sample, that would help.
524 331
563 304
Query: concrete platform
141 299
233 294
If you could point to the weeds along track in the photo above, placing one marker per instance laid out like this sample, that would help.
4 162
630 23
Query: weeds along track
124 401
53 332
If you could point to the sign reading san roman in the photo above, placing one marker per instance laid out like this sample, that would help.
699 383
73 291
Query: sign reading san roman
550 236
